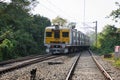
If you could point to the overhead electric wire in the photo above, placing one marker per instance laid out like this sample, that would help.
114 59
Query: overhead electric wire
49 9
60 10
84 11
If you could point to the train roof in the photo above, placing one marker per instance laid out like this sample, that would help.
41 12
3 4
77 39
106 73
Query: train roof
60 27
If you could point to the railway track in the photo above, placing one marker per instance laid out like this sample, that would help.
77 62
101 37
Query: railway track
19 59
60 68
86 67
16 64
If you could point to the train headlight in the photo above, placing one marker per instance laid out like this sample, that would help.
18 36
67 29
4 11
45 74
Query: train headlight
48 45
47 50
63 46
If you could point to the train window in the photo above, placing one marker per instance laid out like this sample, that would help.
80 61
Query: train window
57 34
48 34
65 34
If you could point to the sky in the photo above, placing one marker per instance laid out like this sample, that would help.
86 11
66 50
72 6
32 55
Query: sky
79 11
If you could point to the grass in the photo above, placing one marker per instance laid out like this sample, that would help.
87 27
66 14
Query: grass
115 61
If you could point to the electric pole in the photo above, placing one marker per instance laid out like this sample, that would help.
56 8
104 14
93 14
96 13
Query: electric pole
96 31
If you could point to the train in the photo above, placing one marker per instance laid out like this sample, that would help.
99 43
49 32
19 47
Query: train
60 39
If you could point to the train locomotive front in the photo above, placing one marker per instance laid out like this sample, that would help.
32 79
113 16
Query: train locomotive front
59 39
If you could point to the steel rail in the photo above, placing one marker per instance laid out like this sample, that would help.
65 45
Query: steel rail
72 68
20 59
26 64
108 77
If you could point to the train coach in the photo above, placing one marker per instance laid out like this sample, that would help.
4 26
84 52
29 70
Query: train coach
59 39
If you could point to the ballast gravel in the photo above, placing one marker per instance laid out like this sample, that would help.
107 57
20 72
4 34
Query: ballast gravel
57 69
54 69
86 69
114 72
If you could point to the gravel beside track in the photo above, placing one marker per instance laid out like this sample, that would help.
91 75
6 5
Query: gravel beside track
57 69
54 69
86 69
114 72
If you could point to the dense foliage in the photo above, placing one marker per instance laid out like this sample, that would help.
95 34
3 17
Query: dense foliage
21 33
107 39
110 36
115 14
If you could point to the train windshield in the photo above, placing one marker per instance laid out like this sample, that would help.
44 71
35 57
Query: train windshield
48 34
65 34
56 34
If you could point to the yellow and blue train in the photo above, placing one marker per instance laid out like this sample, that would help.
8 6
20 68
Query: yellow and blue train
59 39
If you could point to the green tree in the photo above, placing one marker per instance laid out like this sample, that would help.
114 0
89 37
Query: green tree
110 36
107 39
6 47
108 29
115 14
60 21
21 29
118 30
